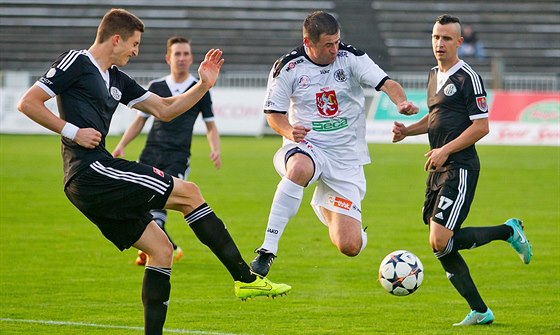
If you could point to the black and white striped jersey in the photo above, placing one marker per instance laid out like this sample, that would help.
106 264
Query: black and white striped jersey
453 102
87 97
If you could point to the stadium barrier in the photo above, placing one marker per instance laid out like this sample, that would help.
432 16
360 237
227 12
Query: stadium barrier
519 117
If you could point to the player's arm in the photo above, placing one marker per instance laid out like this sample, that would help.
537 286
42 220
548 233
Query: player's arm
400 131
477 130
32 104
213 137
166 109
129 134
280 124
397 95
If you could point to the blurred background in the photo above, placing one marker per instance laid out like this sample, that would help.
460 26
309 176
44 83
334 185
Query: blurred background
518 42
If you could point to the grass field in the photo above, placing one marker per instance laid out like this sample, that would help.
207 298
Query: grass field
58 275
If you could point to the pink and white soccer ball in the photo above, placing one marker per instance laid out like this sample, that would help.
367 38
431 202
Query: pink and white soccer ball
401 273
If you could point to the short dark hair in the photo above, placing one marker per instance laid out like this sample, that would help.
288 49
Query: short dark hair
118 21
318 23
174 40
446 19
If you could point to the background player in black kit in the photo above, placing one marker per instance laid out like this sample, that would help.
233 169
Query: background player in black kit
457 119
168 146
116 194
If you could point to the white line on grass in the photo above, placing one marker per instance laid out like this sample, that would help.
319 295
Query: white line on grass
96 325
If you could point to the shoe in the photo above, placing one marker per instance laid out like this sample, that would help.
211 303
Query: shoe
476 318
178 254
519 241
261 264
260 287
142 258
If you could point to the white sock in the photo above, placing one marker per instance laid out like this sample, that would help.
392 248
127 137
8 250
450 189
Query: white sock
285 205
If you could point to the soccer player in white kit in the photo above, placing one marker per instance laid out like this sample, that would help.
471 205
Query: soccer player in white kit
315 100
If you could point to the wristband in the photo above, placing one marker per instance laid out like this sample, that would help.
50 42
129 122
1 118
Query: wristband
69 131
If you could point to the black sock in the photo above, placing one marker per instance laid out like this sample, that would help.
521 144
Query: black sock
212 232
459 275
472 237
155 297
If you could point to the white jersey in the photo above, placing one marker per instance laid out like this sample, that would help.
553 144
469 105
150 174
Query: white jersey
327 98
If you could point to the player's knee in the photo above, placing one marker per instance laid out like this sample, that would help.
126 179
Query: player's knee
351 249
162 255
438 243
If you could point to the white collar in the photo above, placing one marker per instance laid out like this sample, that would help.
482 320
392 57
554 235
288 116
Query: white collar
178 88
443 76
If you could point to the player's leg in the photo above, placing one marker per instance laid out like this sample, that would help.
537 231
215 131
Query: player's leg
448 200
285 204
212 232
156 286
337 203
345 232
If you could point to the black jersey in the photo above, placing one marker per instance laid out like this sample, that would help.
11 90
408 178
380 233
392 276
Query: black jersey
87 98
460 100
172 139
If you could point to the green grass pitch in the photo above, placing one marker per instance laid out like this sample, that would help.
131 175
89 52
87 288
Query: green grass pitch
58 275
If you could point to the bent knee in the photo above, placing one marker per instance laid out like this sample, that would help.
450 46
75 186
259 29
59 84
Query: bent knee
351 249
438 243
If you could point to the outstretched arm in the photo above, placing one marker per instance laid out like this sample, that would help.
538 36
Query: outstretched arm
400 131
166 109
397 95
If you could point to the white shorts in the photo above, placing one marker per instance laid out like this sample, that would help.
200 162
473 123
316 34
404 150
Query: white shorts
340 188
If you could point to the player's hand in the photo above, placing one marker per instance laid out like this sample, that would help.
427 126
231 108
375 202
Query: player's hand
399 131
436 158
215 158
118 152
210 68
88 138
407 108
298 132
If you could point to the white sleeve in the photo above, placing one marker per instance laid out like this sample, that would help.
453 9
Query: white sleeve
369 73
278 92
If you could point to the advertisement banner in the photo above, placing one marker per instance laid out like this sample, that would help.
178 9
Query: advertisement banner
516 118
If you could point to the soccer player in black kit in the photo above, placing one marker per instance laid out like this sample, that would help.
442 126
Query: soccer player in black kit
457 119
168 146
115 194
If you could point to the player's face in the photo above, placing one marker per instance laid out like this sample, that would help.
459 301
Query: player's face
123 50
325 50
180 58
446 40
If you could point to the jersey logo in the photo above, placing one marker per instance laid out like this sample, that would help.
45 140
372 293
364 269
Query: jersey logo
329 124
340 76
449 90
340 202
51 73
116 94
327 104
158 172
482 104
303 82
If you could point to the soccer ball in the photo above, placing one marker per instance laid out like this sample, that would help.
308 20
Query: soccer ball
401 273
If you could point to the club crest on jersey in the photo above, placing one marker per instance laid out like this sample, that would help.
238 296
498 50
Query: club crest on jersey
482 104
116 94
340 76
157 171
449 90
327 104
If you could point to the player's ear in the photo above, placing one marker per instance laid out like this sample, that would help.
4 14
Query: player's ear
306 41
115 39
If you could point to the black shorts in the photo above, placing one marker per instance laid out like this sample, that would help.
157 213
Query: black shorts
449 195
117 196
177 167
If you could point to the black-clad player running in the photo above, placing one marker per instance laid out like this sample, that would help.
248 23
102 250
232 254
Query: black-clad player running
116 194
